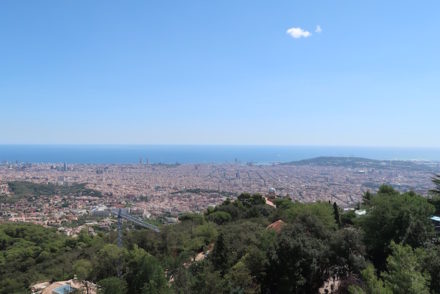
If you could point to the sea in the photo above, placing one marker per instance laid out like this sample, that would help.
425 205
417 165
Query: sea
184 154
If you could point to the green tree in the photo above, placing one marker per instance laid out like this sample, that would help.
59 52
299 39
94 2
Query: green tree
366 198
207 232
321 210
144 273
347 252
30 253
219 255
436 181
206 279
108 260
240 280
404 271
256 261
434 200
385 190
299 262
432 266
348 218
371 284
193 218
83 268
434 194
112 285
219 217
249 200
395 217
336 214
183 281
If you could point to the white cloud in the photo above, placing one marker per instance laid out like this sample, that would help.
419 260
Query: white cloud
318 29
297 33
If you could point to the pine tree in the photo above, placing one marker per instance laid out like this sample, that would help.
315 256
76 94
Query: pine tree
336 214
219 256
366 198
436 181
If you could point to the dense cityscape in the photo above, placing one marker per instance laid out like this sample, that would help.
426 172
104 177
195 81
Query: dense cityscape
160 190
84 228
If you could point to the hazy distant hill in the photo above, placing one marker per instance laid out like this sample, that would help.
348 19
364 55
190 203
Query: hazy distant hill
358 162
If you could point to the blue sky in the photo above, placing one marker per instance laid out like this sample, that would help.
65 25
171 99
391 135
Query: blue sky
220 72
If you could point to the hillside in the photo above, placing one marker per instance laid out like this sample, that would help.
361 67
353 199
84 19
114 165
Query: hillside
21 189
243 246
359 162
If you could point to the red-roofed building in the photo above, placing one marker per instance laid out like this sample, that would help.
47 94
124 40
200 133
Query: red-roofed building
276 226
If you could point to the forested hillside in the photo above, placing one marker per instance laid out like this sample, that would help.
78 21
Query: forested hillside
244 246
25 189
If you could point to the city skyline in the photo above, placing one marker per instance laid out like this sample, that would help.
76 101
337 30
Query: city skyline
220 73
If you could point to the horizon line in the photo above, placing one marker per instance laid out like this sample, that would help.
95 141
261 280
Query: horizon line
215 145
